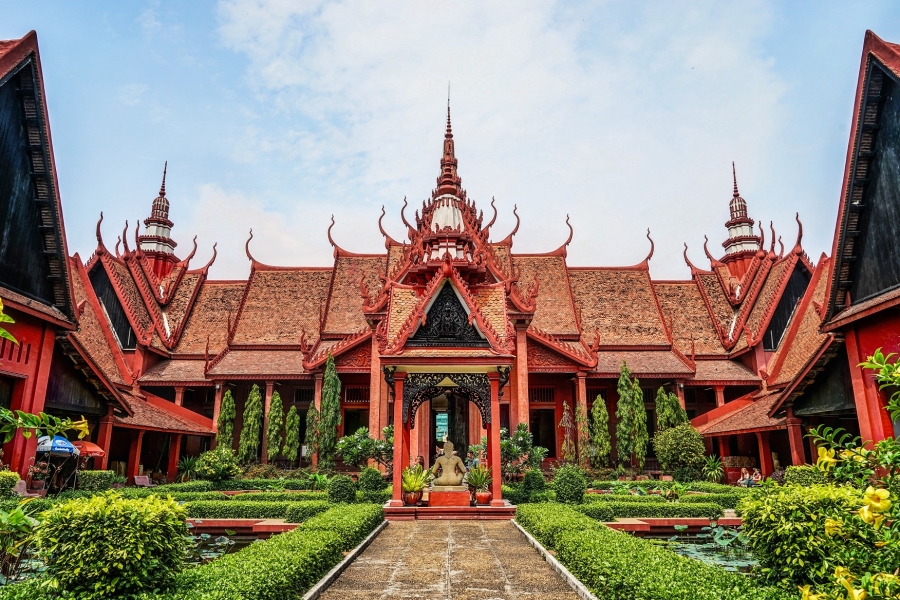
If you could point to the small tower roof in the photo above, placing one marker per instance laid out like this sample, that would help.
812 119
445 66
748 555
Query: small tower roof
737 206
449 181
160 210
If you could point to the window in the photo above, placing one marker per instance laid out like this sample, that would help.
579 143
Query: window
504 417
6 390
542 394
543 429
358 393
304 395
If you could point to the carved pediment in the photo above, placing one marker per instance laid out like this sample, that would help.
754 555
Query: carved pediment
447 323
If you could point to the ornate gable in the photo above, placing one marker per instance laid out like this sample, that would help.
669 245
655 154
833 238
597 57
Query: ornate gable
447 324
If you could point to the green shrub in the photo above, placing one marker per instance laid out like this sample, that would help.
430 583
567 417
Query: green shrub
569 484
543 496
95 481
687 474
618 566
723 500
341 489
786 526
298 512
717 488
514 493
34 507
804 475
374 497
371 485
679 447
108 546
533 482
187 486
218 465
653 510
353 523
601 511
8 480
234 485
280 496
647 499
236 509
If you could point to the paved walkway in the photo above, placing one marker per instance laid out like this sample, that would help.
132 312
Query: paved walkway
443 560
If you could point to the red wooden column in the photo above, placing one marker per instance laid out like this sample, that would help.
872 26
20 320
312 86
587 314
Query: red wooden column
179 395
720 395
104 438
795 436
375 377
765 453
494 437
317 401
31 399
874 422
522 413
217 406
134 454
174 452
581 402
679 391
724 446
401 433
270 387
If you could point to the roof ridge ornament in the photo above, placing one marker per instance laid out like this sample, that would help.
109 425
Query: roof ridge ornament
798 249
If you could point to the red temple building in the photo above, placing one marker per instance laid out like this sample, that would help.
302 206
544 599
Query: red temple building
448 332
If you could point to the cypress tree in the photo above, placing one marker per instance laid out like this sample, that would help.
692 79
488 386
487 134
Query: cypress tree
311 437
668 410
567 424
631 430
276 422
225 425
291 435
582 429
641 436
600 442
330 416
248 446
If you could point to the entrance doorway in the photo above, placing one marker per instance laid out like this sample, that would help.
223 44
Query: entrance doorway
449 422
543 429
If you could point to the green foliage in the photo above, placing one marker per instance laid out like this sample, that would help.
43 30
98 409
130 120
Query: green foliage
889 377
679 447
533 483
569 484
356 449
631 429
353 523
601 444
371 485
95 481
479 478
225 424
687 474
8 480
248 445
341 489
280 497
724 500
5 318
187 468
518 452
786 526
713 471
291 435
567 424
16 535
311 436
276 424
239 509
583 433
330 416
218 464
187 486
844 460
652 484
618 566
415 479
651 510
38 424
804 475
110 547
669 412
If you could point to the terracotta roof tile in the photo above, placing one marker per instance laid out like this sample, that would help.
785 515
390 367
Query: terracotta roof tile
754 416
491 301
209 317
345 304
807 342
620 304
90 335
855 309
642 364
177 308
718 301
280 304
128 294
146 415
262 363
555 311
168 371
683 306
501 256
724 370
50 311
395 258
403 303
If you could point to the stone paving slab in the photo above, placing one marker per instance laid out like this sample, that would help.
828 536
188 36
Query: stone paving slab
444 560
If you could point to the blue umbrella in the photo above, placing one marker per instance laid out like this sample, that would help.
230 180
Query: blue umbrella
58 446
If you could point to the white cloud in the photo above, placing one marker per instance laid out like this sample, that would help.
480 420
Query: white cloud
132 94
623 117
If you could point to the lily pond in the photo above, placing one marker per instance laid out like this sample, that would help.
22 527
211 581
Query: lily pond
725 547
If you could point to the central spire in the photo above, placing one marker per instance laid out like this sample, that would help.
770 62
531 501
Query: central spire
448 182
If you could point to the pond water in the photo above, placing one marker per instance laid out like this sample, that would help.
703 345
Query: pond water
724 547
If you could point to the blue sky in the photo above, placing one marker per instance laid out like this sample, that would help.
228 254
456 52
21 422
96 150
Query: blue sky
274 114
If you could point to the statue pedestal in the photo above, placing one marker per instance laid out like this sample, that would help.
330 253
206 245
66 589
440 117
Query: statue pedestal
449 495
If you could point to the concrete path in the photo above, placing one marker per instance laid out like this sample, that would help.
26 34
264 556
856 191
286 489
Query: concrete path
443 560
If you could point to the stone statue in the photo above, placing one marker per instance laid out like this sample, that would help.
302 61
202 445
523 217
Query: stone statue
451 466
776 464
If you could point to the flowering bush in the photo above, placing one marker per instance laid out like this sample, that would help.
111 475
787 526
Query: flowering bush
39 471
218 464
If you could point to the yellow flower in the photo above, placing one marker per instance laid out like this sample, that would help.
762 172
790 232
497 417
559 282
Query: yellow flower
833 526
853 455
871 517
880 544
842 573
807 595
877 500
826 458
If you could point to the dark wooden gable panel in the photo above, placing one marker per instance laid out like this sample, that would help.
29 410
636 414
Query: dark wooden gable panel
68 389
787 304
114 311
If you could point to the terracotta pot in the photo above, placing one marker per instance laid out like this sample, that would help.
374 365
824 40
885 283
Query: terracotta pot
483 497
37 484
412 498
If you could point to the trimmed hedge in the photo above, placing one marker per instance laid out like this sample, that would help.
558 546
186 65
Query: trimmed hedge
96 481
618 566
280 497
341 489
514 493
606 511
8 480
353 523
804 475
648 499
695 486
723 500
298 512
235 509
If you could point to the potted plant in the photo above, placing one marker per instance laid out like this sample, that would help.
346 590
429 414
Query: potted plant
118 482
38 473
414 480
480 479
